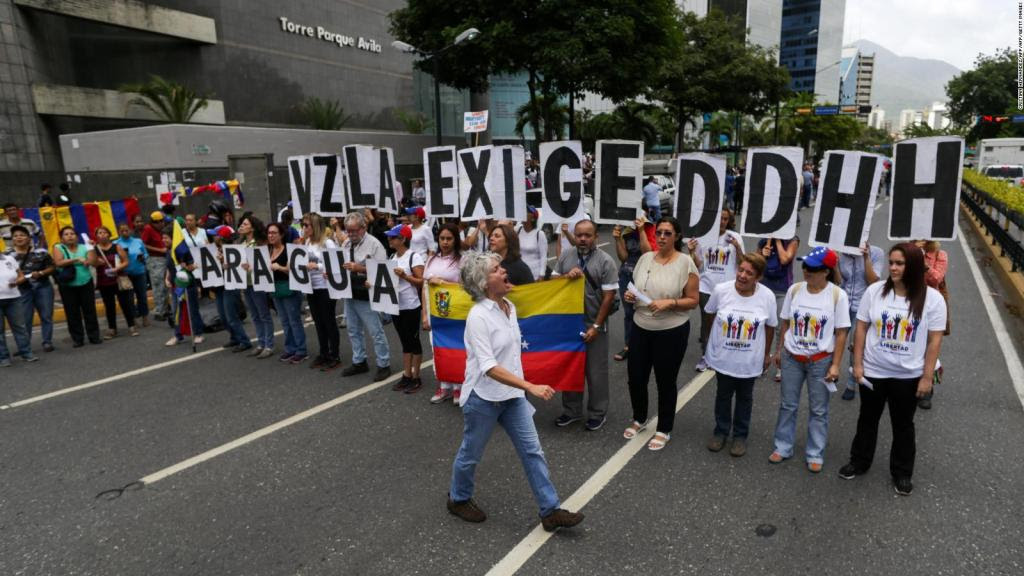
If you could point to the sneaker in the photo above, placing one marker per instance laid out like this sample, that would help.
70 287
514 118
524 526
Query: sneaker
849 472
456 394
5 363
198 339
266 353
903 486
354 369
342 323
330 365
702 365
298 359
776 458
849 393
924 403
286 357
403 383
47 347
317 362
778 376
564 420
30 358
739 447
256 352
814 467
466 510
716 443
595 424
561 519
133 330
172 342
382 373
440 395
110 334
414 386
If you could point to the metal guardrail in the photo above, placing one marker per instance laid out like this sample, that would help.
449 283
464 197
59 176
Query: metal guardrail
1010 247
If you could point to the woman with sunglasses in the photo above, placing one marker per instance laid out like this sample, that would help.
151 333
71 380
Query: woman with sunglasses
668 283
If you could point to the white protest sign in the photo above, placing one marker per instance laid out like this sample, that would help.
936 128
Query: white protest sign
211 275
441 174
234 275
926 183
383 286
618 195
339 284
475 190
259 265
362 176
846 200
474 121
508 186
771 191
387 198
700 191
299 278
562 179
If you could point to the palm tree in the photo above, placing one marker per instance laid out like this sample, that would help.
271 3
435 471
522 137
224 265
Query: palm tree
633 121
548 122
170 101
324 114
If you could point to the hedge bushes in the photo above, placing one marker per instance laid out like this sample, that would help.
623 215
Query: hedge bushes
1000 190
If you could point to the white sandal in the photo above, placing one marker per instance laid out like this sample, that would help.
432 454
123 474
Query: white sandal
634 429
659 441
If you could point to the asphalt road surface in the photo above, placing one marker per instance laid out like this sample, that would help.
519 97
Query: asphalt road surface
133 458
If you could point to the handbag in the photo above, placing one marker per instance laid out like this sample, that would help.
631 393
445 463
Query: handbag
281 289
124 283
66 274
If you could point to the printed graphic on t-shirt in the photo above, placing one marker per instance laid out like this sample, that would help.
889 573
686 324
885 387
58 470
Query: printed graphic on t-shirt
809 326
716 258
895 329
740 329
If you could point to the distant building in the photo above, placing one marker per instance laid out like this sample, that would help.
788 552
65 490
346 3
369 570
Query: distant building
936 116
762 18
877 118
907 118
811 46
856 74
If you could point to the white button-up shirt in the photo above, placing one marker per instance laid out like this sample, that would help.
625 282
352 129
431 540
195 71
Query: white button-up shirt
491 339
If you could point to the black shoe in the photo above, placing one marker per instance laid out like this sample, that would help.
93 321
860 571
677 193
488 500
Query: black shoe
230 345
354 369
78 344
564 420
96 341
595 424
924 403
382 373
47 347
561 519
849 472
467 510
414 386
903 486
241 348
402 384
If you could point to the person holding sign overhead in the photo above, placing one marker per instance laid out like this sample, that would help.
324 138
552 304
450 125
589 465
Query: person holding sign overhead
815 321
409 269
287 302
899 334
778 255
358 248
857 273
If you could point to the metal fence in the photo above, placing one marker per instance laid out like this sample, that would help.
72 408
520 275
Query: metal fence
1004 225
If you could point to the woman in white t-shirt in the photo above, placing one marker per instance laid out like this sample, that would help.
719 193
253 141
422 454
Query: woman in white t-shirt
442 267
667 280
316 235
738 348
409 269
717 264
815 321
422 241
899 334
533 244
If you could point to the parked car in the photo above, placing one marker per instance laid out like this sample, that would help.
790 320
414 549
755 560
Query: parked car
1010 172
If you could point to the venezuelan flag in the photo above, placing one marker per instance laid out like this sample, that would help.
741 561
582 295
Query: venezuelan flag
178 245
550 319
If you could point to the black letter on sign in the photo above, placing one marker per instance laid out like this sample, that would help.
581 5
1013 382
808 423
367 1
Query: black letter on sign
689 171
943 190
300 273
856 203
302 177
612 182
387 200
326 206
355 185
261 269
562 157
232 262
755 223
333 266
439 183
382 285
209 267
477 174
509 174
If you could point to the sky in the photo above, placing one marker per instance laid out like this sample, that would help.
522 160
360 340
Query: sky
951 30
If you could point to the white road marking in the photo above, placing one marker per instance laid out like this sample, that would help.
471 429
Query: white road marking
1013 362
533 541
253 436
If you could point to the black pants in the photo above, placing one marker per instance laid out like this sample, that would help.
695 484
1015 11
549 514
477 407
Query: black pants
321 307
407 324
80 304
124 298
901 395
662 350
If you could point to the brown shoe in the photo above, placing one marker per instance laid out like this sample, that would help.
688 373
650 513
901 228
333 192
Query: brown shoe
561 519
467 510
716 443
739 447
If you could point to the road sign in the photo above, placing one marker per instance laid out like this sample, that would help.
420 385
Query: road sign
826 110
1018 118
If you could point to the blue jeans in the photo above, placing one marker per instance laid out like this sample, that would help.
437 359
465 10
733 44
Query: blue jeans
39 298
11 310
139 288
727 418
228 302
289 311
195 319
793 375
627 308
258 304
359 317
516 417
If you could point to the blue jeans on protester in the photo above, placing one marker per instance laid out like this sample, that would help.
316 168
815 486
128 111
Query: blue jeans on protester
289 311
228 303
793 376
516 417
39 298
141 300
625 277
258 304
726 417
359 316
11 313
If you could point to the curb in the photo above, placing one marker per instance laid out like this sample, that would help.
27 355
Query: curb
1013 282
60 318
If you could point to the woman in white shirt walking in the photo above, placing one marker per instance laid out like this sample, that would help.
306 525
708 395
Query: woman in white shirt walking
494 393
899 334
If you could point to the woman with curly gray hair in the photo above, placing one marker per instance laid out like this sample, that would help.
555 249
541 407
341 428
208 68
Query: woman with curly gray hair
494 393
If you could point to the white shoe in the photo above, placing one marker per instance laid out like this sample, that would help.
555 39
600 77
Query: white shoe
702 366
198 340
172 342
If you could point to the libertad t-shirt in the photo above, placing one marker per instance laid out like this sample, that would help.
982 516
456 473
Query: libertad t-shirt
814 318
719 262
896 343
737 343
408 295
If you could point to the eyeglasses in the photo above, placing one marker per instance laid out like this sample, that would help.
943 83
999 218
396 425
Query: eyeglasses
664 233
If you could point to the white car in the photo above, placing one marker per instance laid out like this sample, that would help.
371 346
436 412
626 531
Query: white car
1010 172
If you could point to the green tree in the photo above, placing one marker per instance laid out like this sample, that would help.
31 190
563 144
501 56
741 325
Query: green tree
633 121
324 114
170 101
989 89
413 121
716 69
614 47
546 116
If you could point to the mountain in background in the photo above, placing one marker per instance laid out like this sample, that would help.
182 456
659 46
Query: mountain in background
903 82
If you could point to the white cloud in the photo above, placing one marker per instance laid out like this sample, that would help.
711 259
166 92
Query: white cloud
954 31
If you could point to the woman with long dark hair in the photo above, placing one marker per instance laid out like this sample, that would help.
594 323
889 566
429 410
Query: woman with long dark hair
287 302
253 234
504 242
443 266
111 261
899 334
74 280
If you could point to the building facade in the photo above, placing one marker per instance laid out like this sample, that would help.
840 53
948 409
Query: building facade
811 46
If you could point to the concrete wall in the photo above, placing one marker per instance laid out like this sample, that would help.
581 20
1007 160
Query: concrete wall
132 14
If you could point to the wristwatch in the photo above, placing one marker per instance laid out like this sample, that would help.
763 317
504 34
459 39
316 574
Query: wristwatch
597 326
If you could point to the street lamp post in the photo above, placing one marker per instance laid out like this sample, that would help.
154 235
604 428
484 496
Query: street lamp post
465 36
